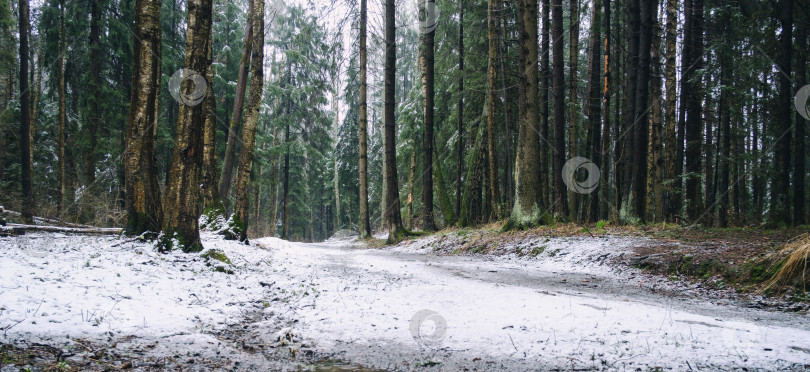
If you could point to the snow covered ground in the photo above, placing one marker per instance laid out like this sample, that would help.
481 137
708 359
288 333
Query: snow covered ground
399 308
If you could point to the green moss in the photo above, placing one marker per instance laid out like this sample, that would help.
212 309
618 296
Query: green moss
212 217
172 239
216 254
537 250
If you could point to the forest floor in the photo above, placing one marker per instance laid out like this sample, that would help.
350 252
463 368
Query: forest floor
455 300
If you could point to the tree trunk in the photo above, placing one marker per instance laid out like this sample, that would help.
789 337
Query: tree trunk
182 208
210 171
236 113
799 199
246 155
595 103
694 120
671 183
725 134
493 12
393 218
460 108
559 198
60 65
631 128
780 182
93 94
364 225
427 62
545 79
444 198
527 210
25 116
144 212
502 50
604 150
573 95
656 166
409 200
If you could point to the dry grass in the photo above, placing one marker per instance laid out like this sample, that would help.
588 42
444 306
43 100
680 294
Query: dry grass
794 271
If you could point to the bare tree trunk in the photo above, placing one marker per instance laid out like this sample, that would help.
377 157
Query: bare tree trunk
656 166
236 113
573 95
427 63
246 155
182 208
560 196
60 65
409 201
393 218
460 123
725 134
94 93
594 103
144 212
545 79
604 150
527 210
694 119
493 10
364 225
670 132
509 193
210 173
37 89
25 116
799 198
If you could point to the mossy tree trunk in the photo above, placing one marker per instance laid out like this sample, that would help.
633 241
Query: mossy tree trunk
251 118
144 212
236 113
527 210
182 208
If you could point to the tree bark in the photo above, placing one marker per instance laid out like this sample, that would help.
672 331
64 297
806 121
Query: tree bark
182 208
527 210
573 95
605 145
210 172
560 198
393 218
460 108
800 133
780 182
144 212
694 120
427 62
672 183
656 166
545 80
492 188
236 113
725 134
60 65
94 93
508 191
364 225
246 155
595 104
25 116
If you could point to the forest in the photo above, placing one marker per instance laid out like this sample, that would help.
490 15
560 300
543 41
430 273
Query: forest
298 120
345 185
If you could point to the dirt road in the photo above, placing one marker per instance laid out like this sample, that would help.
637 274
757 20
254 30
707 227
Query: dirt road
562 309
